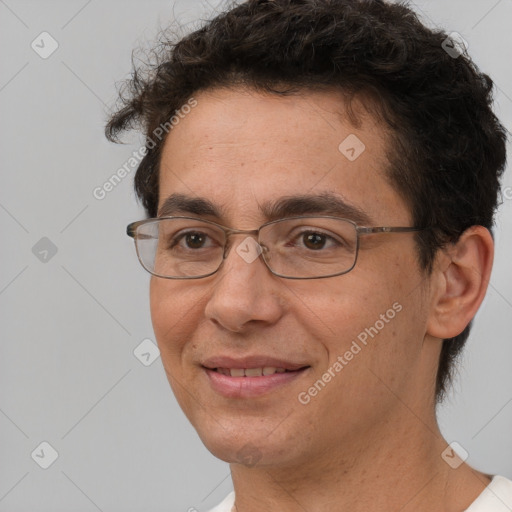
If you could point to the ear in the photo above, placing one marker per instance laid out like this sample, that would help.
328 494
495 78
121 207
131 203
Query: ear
461 275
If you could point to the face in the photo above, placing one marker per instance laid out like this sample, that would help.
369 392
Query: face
353 342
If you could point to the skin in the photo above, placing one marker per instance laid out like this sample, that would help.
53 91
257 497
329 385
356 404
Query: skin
369 440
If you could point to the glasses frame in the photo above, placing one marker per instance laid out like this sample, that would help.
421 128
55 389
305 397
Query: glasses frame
131 231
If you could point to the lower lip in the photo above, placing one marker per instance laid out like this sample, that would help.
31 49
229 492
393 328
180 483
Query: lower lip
245 387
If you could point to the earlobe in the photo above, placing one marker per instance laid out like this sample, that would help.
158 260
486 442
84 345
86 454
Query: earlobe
460 282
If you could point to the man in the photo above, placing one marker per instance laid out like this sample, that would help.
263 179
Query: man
320 180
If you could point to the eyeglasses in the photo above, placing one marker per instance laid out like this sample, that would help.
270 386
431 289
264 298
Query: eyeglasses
292 248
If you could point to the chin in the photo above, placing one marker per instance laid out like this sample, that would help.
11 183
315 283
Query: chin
245 446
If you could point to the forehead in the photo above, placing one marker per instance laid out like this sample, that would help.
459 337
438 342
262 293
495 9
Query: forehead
240 148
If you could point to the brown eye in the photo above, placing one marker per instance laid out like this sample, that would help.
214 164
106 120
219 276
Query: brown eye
314 241
194 240
189 240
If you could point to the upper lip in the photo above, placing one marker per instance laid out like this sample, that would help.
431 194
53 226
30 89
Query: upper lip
257 361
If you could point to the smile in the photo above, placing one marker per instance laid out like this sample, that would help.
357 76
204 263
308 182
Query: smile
250 372
250 382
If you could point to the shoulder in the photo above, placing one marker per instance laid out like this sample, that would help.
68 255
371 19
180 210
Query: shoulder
226 504
496 497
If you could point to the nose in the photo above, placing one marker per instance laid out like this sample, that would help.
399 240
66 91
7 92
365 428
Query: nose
244 291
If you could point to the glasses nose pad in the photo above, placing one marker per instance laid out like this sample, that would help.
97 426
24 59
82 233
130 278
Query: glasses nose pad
265 251
226 249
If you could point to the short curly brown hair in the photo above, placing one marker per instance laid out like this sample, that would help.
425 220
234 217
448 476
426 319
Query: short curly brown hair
448 149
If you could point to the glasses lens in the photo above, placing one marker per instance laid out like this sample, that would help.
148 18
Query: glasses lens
310 247
179 247
306 247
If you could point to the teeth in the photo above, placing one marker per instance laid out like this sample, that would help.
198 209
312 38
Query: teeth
250 372
253 372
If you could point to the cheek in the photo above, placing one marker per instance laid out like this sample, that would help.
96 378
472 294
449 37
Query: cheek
171 316
173 325
377 314
161 304
341 309
384 341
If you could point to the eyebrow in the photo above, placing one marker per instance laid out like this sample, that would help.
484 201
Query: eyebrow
324 203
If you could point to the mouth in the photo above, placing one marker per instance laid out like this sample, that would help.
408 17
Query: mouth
253 372
244 380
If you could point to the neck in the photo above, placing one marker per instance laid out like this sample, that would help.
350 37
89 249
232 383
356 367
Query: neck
400 469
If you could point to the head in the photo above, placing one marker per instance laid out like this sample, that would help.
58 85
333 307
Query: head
274 88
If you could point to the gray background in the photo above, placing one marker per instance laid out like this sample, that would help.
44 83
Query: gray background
72 320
